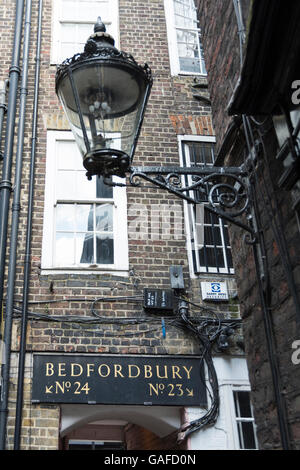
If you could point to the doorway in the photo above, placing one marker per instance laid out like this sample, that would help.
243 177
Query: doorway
119 428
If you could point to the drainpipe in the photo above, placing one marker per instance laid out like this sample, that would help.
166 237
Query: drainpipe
261 272
6 188
22 354
3 109
6 184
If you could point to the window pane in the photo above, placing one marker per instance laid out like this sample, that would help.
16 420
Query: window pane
187 43
84 217
105 250
85 248
104 218
73 38
212 236
68 30
211 257
185 13
211 218
64 249
85 189
83 10
240 433
248 435
243 399
69 157
70 46
229 258
75 185
226 235
82 188
66 185
84 31
220 258
203 68
65 217
188 64
200 196
206 256
201 153
103 190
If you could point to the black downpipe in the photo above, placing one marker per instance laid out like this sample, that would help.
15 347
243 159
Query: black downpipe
261 272
3 110
262 276
6 188
22 353
280 405
6 184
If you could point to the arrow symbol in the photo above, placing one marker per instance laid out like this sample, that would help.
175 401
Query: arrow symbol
190 392
49 389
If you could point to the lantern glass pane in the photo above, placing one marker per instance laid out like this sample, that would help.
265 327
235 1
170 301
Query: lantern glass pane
111 101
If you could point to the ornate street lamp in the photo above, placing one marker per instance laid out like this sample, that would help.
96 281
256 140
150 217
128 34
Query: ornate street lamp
104 93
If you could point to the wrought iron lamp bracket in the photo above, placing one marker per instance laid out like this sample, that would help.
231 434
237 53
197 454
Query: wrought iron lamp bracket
224 190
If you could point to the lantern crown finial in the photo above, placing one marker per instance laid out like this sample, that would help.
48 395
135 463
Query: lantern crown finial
99 26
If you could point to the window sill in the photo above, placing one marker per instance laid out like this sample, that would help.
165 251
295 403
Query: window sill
189 74
85 271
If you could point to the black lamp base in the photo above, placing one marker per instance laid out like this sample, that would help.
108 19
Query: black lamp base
106 162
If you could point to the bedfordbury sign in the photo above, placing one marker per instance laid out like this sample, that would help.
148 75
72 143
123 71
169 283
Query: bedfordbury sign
130 380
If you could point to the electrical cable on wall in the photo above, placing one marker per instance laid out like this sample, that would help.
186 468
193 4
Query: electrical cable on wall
210 417
208 331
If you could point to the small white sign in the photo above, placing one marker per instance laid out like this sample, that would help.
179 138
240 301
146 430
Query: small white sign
214 291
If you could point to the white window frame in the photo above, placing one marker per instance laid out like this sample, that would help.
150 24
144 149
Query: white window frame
182 139
57 20
234 419
172 41
121 264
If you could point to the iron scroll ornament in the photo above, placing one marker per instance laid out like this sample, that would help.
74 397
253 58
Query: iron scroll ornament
103 52
224 190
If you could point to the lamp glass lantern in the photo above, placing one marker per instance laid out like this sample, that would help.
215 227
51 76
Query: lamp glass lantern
104 93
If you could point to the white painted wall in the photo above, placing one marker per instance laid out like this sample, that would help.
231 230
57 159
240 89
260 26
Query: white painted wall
232 374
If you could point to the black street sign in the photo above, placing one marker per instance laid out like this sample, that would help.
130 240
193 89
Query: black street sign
127 380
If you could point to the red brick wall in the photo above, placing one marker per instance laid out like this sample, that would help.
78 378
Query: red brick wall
140 438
